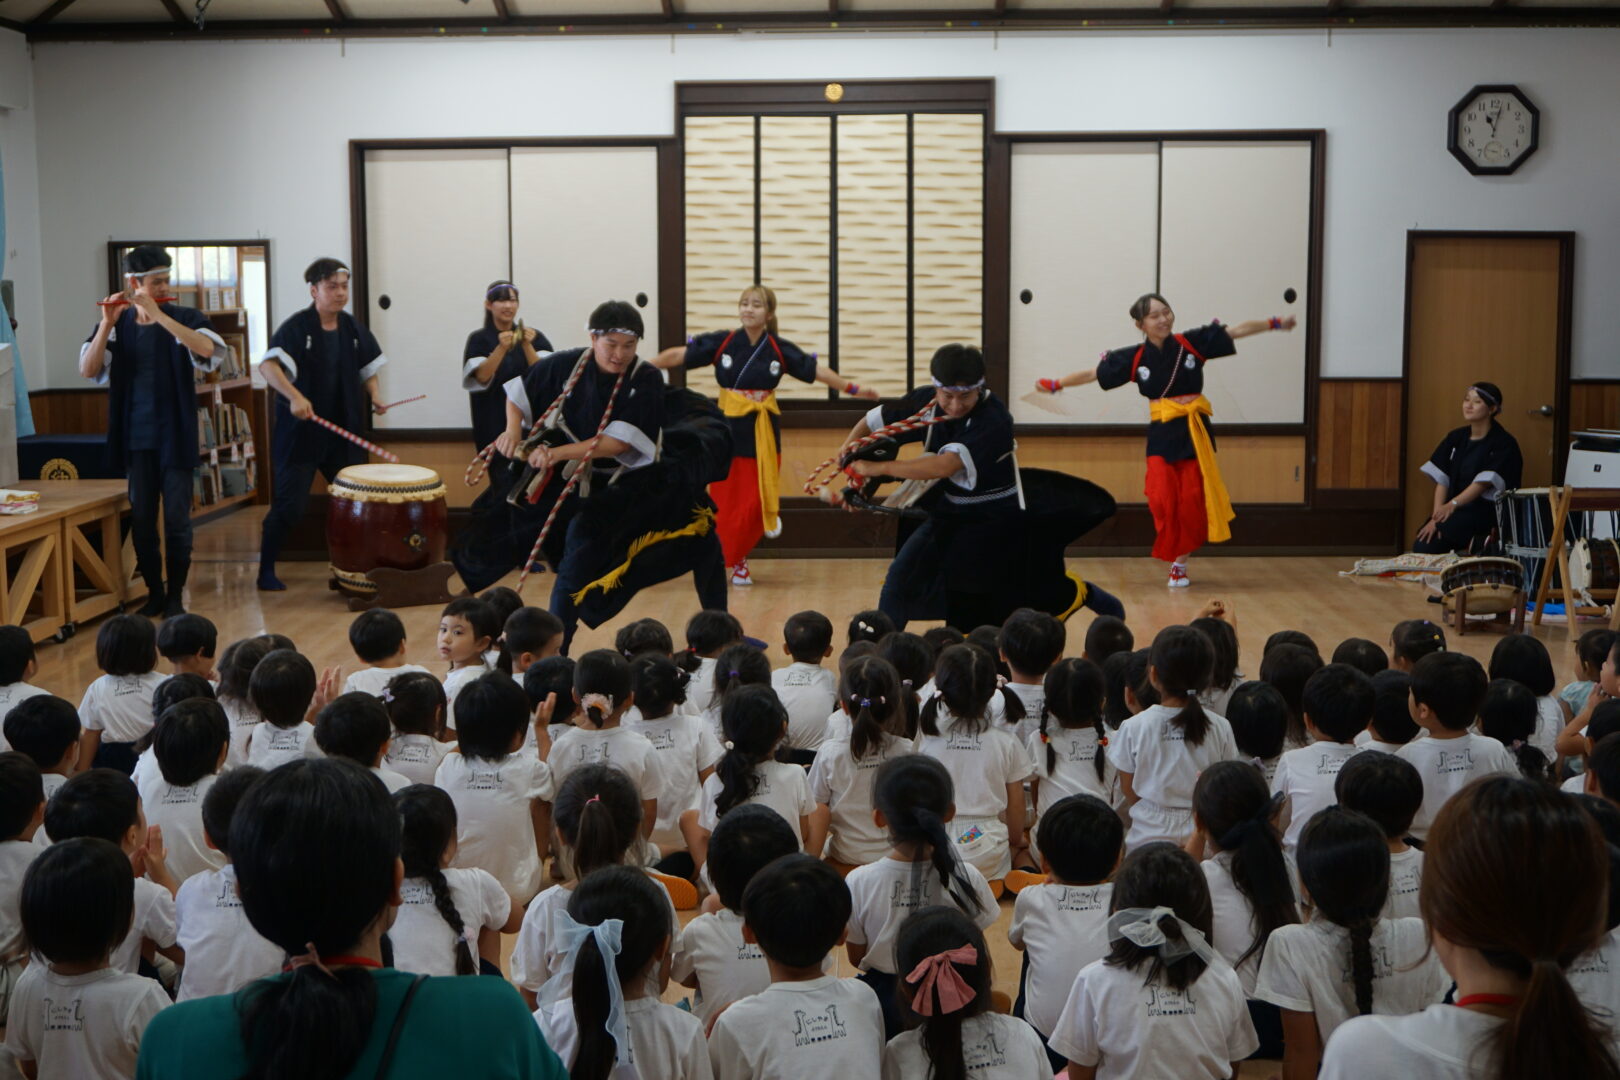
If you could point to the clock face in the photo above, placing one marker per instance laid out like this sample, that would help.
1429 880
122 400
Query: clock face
1493 129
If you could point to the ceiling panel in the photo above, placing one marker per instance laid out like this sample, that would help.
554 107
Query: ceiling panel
229 10
730 7
419 9
118 11
22 10
545 9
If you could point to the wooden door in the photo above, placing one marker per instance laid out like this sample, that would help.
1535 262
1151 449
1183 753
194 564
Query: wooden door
1489 307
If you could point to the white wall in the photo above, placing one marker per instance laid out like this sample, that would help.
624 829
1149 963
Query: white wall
252 137
20 161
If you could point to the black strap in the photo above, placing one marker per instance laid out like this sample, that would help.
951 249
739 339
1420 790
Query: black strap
399 1027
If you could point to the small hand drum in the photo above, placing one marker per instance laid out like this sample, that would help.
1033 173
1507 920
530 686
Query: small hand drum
1492 585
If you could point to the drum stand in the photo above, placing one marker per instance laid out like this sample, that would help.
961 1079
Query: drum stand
1564 500
1459 608
406 588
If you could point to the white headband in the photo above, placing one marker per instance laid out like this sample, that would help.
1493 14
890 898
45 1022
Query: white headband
959 389
613 330
1140 926
147 273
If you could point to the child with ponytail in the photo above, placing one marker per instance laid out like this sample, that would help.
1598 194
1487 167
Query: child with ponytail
737 666
236 666
914 800
687 752
1509 715
946 992
1526 661
1412 640
753 724
1070 754
449 921
1160 751
841 776
1348 960
1513 893
616 937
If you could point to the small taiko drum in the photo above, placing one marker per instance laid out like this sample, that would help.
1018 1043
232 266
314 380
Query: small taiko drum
1492 584
384 515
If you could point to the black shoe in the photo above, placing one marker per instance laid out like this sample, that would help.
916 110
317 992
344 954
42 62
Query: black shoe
175 605
268 582
156 601
1102 601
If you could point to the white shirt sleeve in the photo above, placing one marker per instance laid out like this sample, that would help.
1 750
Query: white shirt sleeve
496 901
1281 979
375 366
280 356
1075 1033
517 395
160 919
469 376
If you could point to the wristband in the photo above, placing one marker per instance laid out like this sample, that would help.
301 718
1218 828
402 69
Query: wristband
852 389
1051 386
1275 323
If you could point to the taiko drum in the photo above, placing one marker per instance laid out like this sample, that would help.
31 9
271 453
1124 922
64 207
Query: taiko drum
384 515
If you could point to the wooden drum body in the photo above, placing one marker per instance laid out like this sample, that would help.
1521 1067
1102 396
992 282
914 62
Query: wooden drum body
1492 585
379 516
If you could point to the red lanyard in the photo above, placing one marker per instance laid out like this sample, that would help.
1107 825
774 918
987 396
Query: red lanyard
1466 1000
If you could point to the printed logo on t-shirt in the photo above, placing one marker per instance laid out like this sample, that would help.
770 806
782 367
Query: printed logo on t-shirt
910 894
811 1028
1454 761
64 1016
959 739
124 685
416 892
285 738
593 753
1595 962
484 780
1070 898
1329 764
986 1053
1405 880
1168 1001
180 796
1382 965
661 738
226 897
411 753
746 951
800 678
1080 750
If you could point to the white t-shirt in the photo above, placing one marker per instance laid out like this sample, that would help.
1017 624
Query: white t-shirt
826 1027
1368 741
1217 698
994 1047
423 941
727 967
1033 697
1075 770
700 687
119 706
780 786
1405 876
981 764
628 751
12 695
154 919
686 746
374 680
1164 768
1447 766
494 823
1307 969
885 893
269 746
1550 721
666 1041
244 719
179 811
808 692
1061 929
1130 1028
223 951
416 757
1440 1043
83 1027
453 683
1234 927
534 961
839 726
1305 776
392 780
843 784
15 856
1596 979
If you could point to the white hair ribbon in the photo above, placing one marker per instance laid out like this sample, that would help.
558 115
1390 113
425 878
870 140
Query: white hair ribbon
1140 926
569 936
600 701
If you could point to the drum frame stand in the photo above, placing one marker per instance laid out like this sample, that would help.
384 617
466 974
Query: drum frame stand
1564 500
406 588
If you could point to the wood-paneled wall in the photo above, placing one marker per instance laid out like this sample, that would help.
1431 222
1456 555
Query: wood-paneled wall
1594 405
1358 433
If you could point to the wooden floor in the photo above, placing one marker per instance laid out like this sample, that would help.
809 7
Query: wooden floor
1267 594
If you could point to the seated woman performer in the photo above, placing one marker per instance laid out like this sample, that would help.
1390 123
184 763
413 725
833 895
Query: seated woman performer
983 550
1471 468
496 353
1185 492
749 364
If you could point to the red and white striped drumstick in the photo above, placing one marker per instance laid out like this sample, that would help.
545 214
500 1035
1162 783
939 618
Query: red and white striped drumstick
812 485
480 462
352 437
407 401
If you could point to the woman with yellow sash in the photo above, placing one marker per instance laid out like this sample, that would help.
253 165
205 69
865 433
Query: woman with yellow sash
749 363
1185 492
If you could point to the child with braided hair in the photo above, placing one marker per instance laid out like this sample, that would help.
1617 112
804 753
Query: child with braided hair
1070 748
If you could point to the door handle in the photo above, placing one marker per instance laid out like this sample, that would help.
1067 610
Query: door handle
1545 410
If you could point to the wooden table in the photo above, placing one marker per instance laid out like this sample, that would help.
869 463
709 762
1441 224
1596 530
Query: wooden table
42 553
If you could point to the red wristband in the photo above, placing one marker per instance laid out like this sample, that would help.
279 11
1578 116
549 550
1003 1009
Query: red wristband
1276 323
852 389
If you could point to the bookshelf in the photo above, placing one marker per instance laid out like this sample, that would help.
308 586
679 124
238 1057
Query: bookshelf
227 437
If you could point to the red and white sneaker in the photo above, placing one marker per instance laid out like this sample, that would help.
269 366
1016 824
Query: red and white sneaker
1178 576
740 574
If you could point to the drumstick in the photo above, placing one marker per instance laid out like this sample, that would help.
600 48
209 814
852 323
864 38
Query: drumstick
407 401
352 437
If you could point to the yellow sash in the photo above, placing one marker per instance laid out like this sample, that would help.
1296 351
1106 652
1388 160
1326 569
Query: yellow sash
1217 501
769 468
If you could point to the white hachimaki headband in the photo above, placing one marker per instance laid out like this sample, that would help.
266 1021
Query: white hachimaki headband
502 287
1485 395
613 330
959 389
148 273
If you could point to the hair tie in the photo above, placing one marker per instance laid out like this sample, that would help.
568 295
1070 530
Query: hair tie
729 745
734 674
387 696
906 683
593 798
568 937
1515 744
599 701
938 973
1140 926
865 627
310 958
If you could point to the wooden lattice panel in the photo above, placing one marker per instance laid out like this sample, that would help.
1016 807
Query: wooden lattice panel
719 219
948 231
872 251
795 162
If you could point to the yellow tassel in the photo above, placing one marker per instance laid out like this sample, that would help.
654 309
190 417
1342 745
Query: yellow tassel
699 526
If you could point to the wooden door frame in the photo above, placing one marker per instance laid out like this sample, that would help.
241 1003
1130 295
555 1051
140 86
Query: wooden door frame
1566 318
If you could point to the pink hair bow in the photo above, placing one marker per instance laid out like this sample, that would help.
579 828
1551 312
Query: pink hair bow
938 972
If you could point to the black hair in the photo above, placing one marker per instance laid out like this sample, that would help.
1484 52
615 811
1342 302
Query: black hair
323 268
146 258
282 687
44 727
553 675
427 825
126 645
1452 685
498 290
502 601
1413 639
1181 661
913 662
278 641
870 625
1607 815
1259 718
1392 714
988 638
22 789
1224 640
1106 636
1074 691
103 803
77 900
738 666
190 738
957 365
1489 393
659 685
1592 647
1605 721
938 638
871 694
745 841
1367 657
236 668
219 805
797 907
1604 763
1524 659
172 691
964 683
1289 667
644 635
1385 787
416 704
1143 304
605 672
1339 701
306 885
16 653
1116 671
1509 715
631 897
808 635
926 933
598 814
1136 679
376 635
707 633
1291 637
857 649
492 714
617 315
915 792
752 721
355 726
1081 838
1162 875
1032 641
1233 803
1344 864
187 635
477 614
526 630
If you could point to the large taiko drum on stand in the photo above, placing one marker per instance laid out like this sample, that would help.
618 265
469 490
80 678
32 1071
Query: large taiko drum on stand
384 516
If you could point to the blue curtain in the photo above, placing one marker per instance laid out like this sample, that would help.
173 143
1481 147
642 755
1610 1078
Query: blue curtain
25 414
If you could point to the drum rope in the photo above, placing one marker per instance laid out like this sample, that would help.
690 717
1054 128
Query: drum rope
480 462
915 422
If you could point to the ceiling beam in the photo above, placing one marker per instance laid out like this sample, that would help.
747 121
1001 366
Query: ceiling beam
1166 5
504 12
174 12
51 12
335 9
1001 8
669 8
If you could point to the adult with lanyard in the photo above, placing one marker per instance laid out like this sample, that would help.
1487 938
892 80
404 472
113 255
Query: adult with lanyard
984 548
1471 468
337 1012
749 363
497 352
321 362
1185 492
148 350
